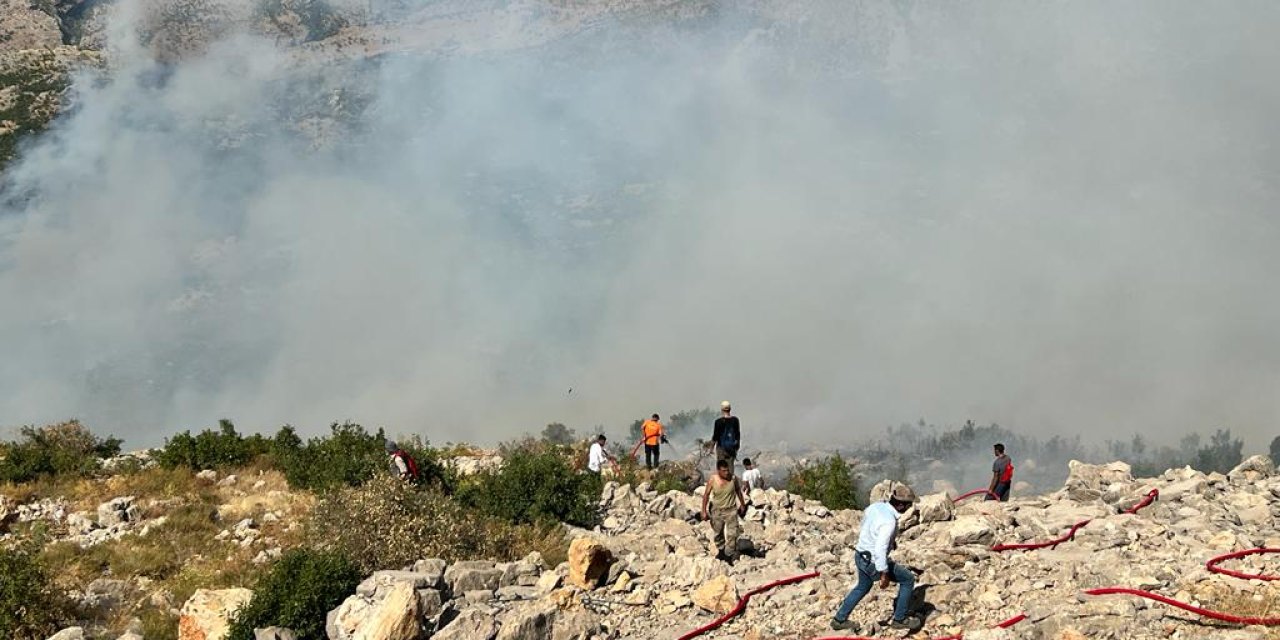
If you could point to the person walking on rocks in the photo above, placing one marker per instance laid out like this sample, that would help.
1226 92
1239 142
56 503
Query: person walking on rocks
723 494
1001 475
726 435
871 557
654 436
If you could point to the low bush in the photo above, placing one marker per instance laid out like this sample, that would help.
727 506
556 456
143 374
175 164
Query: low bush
63 450
350 456
830 481
389 524
536 484
31 608
296 593
211 449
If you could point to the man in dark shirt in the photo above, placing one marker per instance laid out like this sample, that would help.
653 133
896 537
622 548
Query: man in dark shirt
1001 476
726 437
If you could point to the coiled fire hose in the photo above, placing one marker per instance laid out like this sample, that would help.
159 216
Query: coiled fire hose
1213 563
742 603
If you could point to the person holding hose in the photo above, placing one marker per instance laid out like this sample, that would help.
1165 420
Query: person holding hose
871 557
654 436
1001 475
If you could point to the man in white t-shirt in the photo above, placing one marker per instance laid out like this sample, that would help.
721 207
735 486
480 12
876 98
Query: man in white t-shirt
598 455
750 477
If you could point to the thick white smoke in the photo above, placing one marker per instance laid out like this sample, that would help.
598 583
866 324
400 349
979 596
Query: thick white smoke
838 215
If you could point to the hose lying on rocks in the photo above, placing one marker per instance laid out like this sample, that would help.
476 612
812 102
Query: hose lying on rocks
975 492
1071 533
1216 615
742 603
1213 563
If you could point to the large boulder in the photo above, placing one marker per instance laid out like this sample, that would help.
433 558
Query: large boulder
588 562
533 621
970 530
472 575
395 618
1087 482
1253 468
206 615
936 507
717 595
470 624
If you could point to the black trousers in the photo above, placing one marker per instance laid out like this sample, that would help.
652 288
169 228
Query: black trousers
651 454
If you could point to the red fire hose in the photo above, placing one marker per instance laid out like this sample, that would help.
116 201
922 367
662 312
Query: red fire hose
1216 615
959 636
1071 533
975 492
742 603
1213 563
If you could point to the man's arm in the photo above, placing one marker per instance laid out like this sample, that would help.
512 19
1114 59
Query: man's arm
882 539
742 500
706 495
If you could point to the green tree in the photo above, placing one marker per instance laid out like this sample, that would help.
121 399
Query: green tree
1222 453
1275 450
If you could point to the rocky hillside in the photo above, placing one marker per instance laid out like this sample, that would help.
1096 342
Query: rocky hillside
649 572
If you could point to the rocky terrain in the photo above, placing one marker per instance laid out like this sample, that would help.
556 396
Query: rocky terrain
649 572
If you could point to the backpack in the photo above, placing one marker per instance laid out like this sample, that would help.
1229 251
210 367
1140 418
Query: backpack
1007 476
410 463
729 438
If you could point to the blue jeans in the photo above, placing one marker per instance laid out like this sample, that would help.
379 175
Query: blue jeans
1001 491
868 576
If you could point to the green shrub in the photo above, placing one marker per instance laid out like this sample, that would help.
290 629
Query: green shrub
1222 453
297 592
557 433
30 607
66 449
388 524
535 484
830 481
211 449
350 456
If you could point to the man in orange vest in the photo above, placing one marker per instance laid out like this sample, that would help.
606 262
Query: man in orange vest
1001 476
654 435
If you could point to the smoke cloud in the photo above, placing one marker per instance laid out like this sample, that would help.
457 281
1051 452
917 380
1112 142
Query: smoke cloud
838 215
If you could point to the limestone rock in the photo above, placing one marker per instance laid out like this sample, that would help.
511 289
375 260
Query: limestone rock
588 562
70 633
206 615
530 622
395 618
470 624
1253 468
969 529
274 633
472 575
718 595
936 507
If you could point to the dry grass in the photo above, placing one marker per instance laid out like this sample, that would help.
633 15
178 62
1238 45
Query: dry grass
1244 599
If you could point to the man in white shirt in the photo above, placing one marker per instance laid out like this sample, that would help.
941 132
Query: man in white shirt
875 540
598 454
751 477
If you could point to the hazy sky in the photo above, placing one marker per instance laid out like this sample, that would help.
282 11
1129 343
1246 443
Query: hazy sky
841 215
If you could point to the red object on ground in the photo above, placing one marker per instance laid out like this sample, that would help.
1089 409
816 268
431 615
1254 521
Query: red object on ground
975 492
1213 563
1216 615
1151 497
742 603
959 636
1071 533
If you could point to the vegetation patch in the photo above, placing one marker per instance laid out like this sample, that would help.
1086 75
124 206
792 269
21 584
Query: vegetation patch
830 481
296 593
